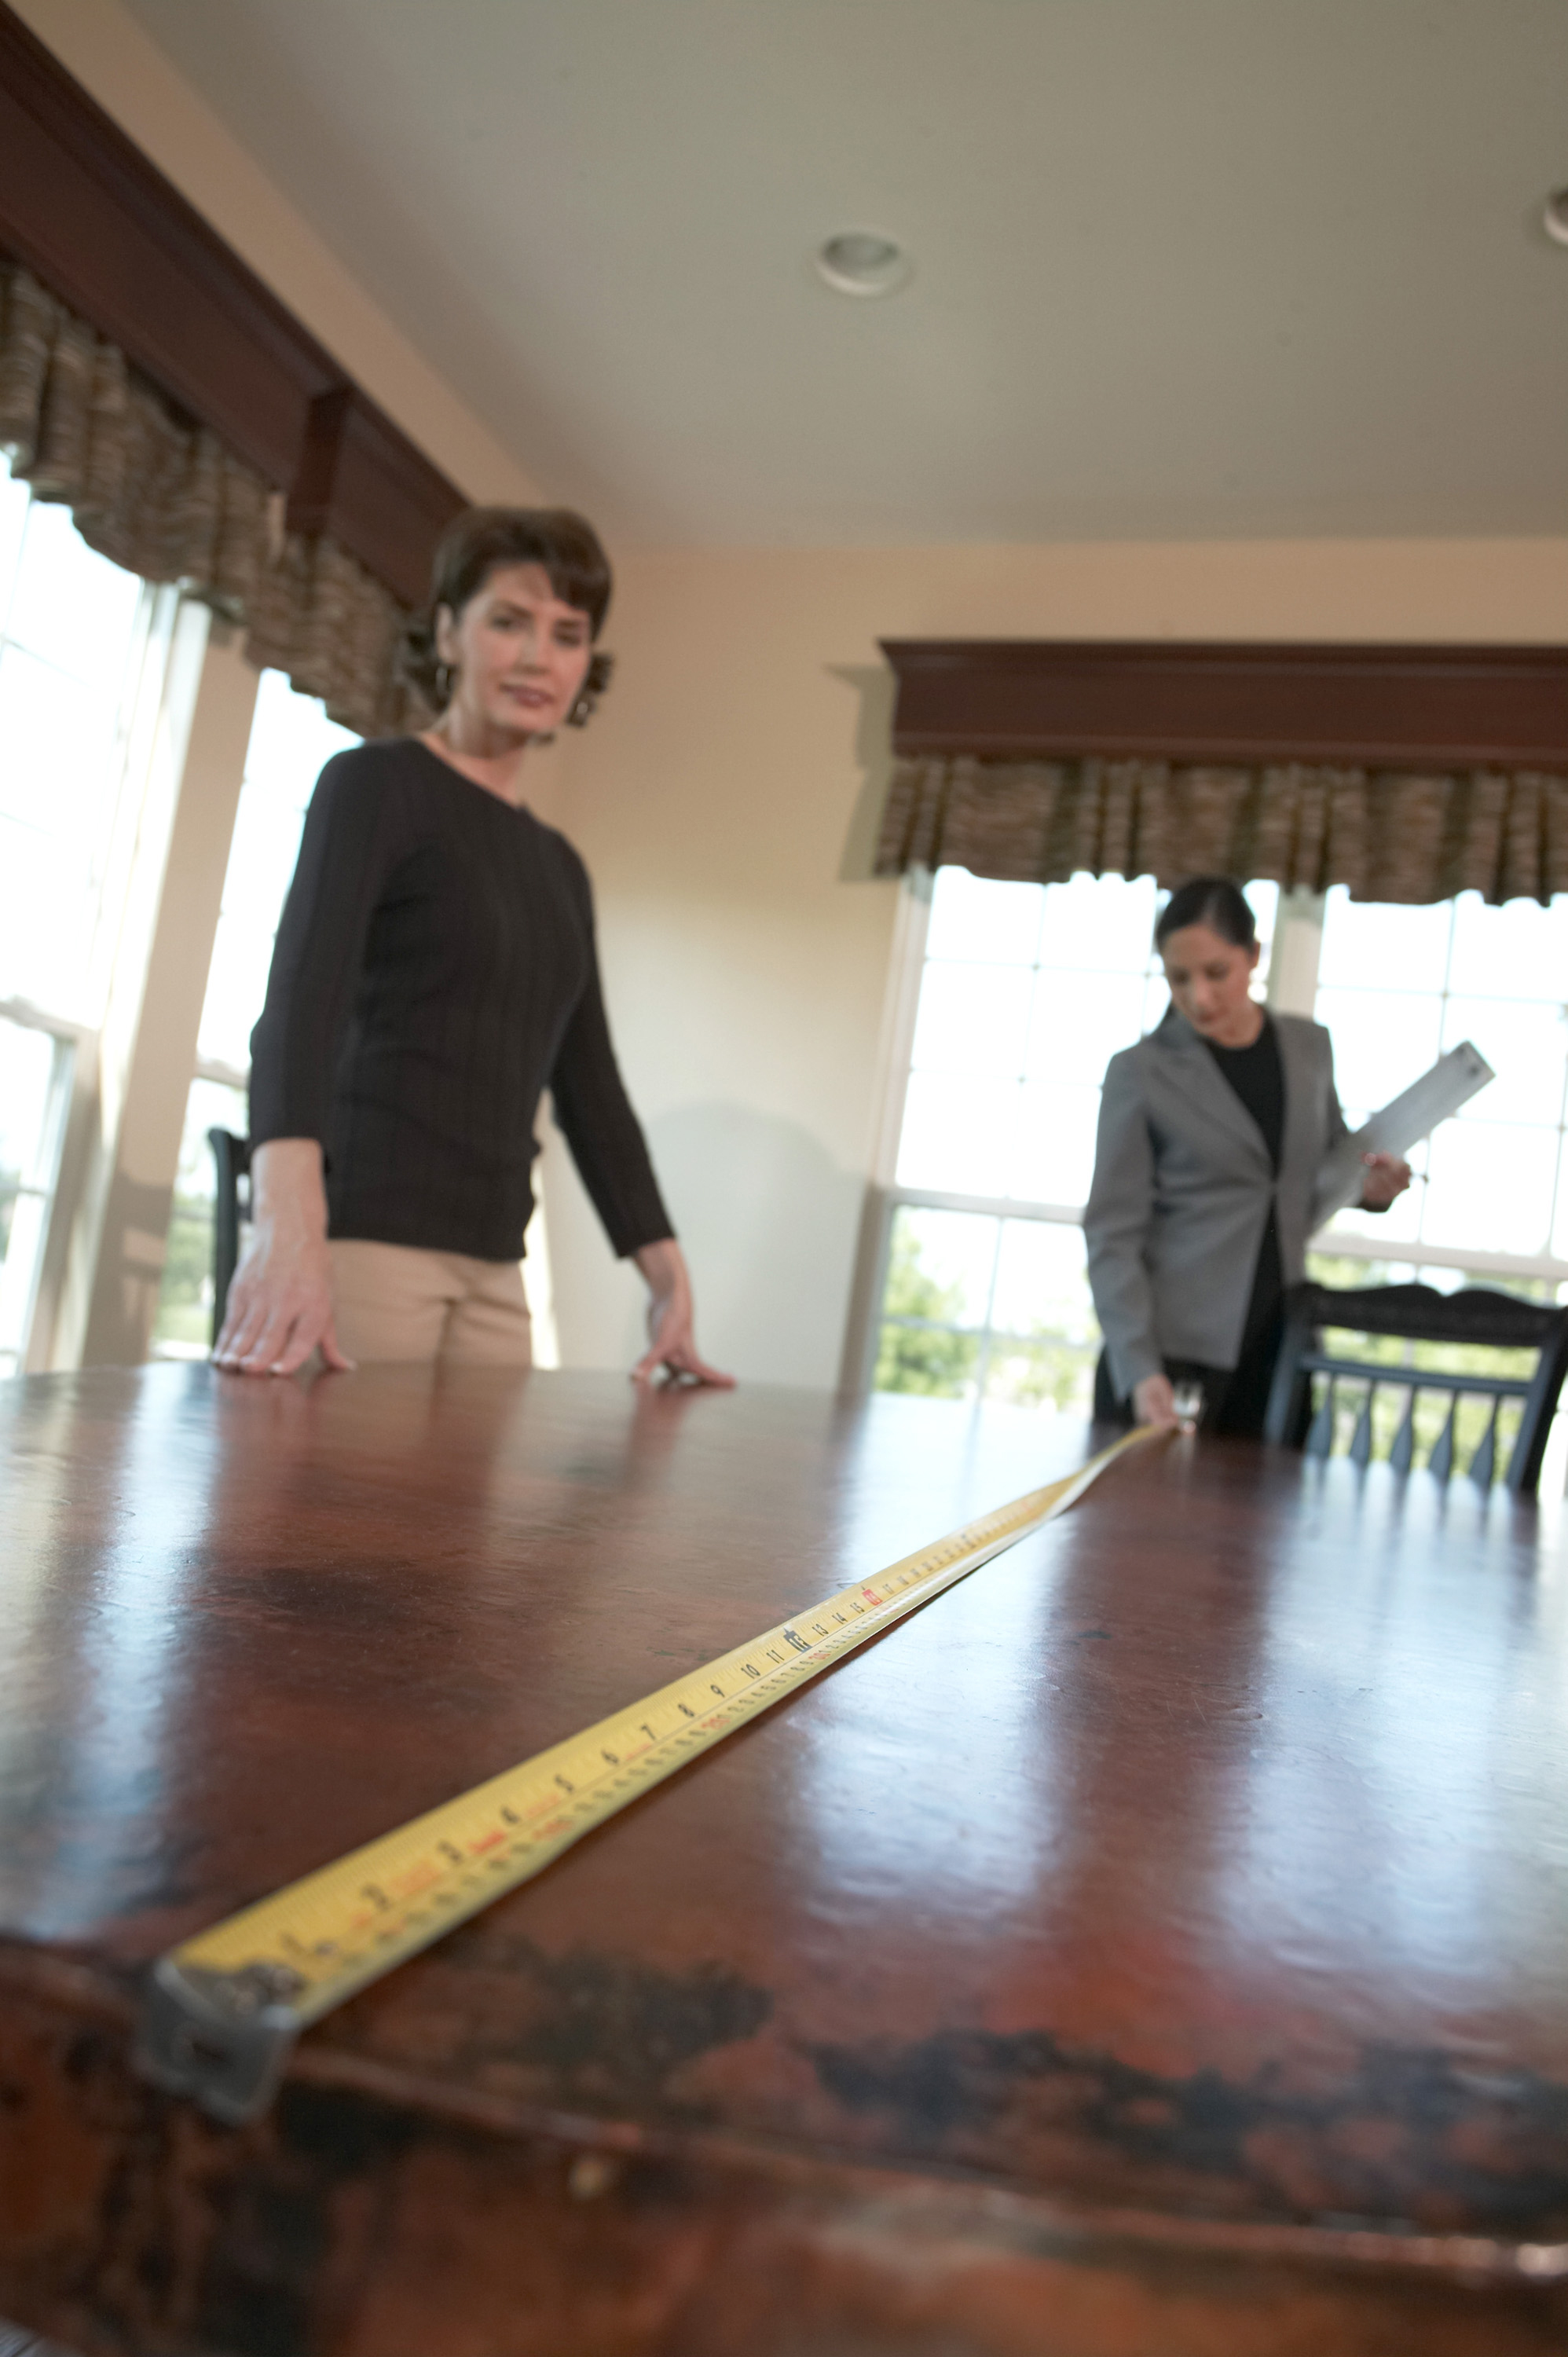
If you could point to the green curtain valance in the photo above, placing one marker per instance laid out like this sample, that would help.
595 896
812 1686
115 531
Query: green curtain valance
164 497
1385 834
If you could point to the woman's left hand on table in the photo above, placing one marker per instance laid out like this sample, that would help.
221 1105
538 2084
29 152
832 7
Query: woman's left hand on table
671 1321
1386 1177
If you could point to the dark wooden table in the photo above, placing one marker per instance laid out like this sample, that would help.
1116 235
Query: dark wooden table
1158 1947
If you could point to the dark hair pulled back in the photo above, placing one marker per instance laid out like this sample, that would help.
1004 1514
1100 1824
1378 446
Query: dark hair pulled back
1212 900
482 541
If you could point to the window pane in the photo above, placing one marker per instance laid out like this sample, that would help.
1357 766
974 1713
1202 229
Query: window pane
1492 1186
71 605
44 911
1042 1282
1520 951
1054 1157
1382 1043
1156 1003
972 917
60 745
938 1274
1080 1022
958 1135
1526 1045
1102 924
73 634
74 627
26 1059
236 987
1263 900
59 786
949 1259
14 502
972 1019
35 1075
1049 1375
1560 1222
262 855
1379 947
183 1325
291 739
1044 1338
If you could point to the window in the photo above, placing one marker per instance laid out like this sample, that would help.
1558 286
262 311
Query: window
1026 991
82 646
291 737
35 1091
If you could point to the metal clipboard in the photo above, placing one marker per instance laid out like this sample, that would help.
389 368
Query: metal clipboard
1413 1114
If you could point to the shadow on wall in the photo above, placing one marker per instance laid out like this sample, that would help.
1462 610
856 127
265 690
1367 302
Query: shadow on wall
768 1223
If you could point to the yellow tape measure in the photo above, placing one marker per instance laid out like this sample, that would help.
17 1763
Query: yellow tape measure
224 2009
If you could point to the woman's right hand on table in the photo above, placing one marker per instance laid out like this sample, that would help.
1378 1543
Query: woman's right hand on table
280 1303
1154 1401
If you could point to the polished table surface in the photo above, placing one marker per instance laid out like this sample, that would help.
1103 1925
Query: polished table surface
1159 1944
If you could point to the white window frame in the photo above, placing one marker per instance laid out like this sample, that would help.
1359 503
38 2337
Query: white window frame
28 1274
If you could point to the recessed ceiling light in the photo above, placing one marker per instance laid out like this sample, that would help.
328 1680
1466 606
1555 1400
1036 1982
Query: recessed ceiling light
863 261
1555 216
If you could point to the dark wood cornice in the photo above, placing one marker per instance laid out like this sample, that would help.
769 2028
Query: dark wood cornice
364 483
85 210
1383 707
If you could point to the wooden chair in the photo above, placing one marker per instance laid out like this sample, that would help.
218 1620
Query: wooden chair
231 1205
1476 1317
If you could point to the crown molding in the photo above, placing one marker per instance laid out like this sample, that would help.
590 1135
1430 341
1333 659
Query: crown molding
1367 706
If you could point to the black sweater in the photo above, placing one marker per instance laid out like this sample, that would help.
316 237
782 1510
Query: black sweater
434 971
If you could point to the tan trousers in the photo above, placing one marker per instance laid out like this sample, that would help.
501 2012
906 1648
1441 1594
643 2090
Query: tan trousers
394 1302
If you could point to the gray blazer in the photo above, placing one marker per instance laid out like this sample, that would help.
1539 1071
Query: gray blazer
1182 1188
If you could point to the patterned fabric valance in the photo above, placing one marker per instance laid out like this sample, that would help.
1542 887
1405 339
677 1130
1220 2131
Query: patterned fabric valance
166 499
1386 835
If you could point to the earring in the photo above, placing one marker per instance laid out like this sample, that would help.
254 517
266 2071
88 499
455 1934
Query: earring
593 685
444 682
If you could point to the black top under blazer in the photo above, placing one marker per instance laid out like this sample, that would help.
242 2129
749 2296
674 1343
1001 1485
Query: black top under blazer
1183 1183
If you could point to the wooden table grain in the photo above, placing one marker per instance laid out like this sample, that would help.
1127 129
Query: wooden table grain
1158 1947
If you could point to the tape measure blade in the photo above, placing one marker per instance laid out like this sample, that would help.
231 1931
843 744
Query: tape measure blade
224 2005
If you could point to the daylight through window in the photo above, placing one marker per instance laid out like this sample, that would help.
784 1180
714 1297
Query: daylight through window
81 649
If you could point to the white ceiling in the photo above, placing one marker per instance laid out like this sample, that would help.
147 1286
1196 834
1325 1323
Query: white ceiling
1183 267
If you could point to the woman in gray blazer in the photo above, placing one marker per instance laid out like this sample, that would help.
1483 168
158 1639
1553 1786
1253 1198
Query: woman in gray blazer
1213 1134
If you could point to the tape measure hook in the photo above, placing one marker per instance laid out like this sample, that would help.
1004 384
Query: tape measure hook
222 2038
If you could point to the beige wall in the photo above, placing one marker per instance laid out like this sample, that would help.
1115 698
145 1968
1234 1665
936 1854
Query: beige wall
723 797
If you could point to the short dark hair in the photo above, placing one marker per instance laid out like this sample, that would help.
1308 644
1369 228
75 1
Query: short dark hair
1212 900
479 542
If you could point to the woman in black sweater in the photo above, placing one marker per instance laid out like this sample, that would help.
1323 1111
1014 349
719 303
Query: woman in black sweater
434 971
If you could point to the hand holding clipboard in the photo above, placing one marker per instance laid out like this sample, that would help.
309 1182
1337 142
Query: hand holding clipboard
1413 1114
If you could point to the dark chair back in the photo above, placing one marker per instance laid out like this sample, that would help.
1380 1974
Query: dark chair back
1418 1313
232 1204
